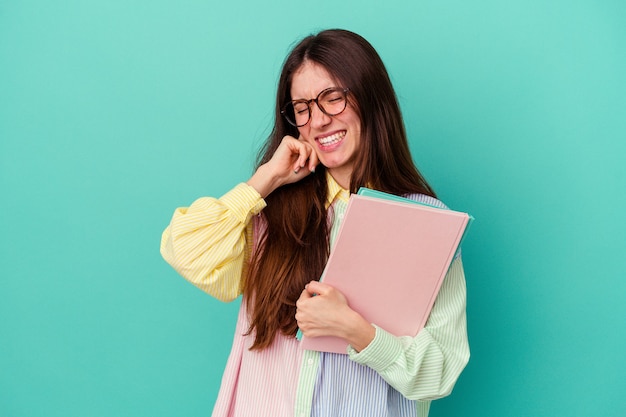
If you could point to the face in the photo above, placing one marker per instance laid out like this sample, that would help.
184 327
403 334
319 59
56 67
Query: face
335 139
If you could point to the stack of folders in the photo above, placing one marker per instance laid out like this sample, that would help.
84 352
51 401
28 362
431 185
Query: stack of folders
389 260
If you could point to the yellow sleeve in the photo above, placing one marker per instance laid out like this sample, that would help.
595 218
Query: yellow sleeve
208 243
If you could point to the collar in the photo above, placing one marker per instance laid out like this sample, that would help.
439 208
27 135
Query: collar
335 191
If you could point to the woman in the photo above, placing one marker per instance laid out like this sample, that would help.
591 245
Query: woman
337 127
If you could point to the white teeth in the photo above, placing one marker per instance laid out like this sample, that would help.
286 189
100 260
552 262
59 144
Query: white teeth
329 140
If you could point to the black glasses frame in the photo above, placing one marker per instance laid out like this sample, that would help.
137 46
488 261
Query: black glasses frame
289 113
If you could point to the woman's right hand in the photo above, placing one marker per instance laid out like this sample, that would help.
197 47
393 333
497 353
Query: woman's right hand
293 160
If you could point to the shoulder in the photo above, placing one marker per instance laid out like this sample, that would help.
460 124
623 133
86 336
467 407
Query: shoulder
426 199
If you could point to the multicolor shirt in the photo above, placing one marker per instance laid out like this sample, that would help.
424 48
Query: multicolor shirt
209 244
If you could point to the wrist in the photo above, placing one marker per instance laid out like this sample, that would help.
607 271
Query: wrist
262 181
361 332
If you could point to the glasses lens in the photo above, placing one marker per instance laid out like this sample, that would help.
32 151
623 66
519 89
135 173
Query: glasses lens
333 101
300 112
297 113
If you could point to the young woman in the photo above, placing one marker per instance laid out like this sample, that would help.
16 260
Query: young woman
337 127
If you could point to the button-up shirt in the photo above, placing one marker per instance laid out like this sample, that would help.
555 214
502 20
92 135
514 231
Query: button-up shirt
209 244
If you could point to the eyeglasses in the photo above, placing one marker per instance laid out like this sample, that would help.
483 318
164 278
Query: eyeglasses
331 102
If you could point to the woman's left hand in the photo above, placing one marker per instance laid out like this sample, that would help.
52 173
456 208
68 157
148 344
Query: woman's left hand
323 310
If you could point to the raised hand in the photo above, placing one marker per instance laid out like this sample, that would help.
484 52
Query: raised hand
292 161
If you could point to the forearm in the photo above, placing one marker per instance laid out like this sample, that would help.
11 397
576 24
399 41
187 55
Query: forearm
264 181
358 332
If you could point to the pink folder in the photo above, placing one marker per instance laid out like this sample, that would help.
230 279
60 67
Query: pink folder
389 260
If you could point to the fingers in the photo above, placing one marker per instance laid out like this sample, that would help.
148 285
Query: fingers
306 156
312 156
304 295
304 153
313 160
317 288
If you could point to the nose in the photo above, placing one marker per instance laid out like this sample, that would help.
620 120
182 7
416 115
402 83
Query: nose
318 117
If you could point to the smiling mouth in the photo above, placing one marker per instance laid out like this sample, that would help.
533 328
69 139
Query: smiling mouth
332 139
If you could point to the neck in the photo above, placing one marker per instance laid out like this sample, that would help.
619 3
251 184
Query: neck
342 176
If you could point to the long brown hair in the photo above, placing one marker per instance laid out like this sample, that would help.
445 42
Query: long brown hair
293 246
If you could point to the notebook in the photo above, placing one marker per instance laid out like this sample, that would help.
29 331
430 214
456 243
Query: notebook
389 260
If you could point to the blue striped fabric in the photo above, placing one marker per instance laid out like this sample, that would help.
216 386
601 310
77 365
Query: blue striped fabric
347 389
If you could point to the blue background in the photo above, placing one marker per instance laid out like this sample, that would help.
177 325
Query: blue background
113 113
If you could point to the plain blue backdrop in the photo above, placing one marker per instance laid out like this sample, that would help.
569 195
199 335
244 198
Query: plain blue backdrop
114 113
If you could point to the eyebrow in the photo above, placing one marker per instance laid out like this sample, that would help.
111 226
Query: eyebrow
316 96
